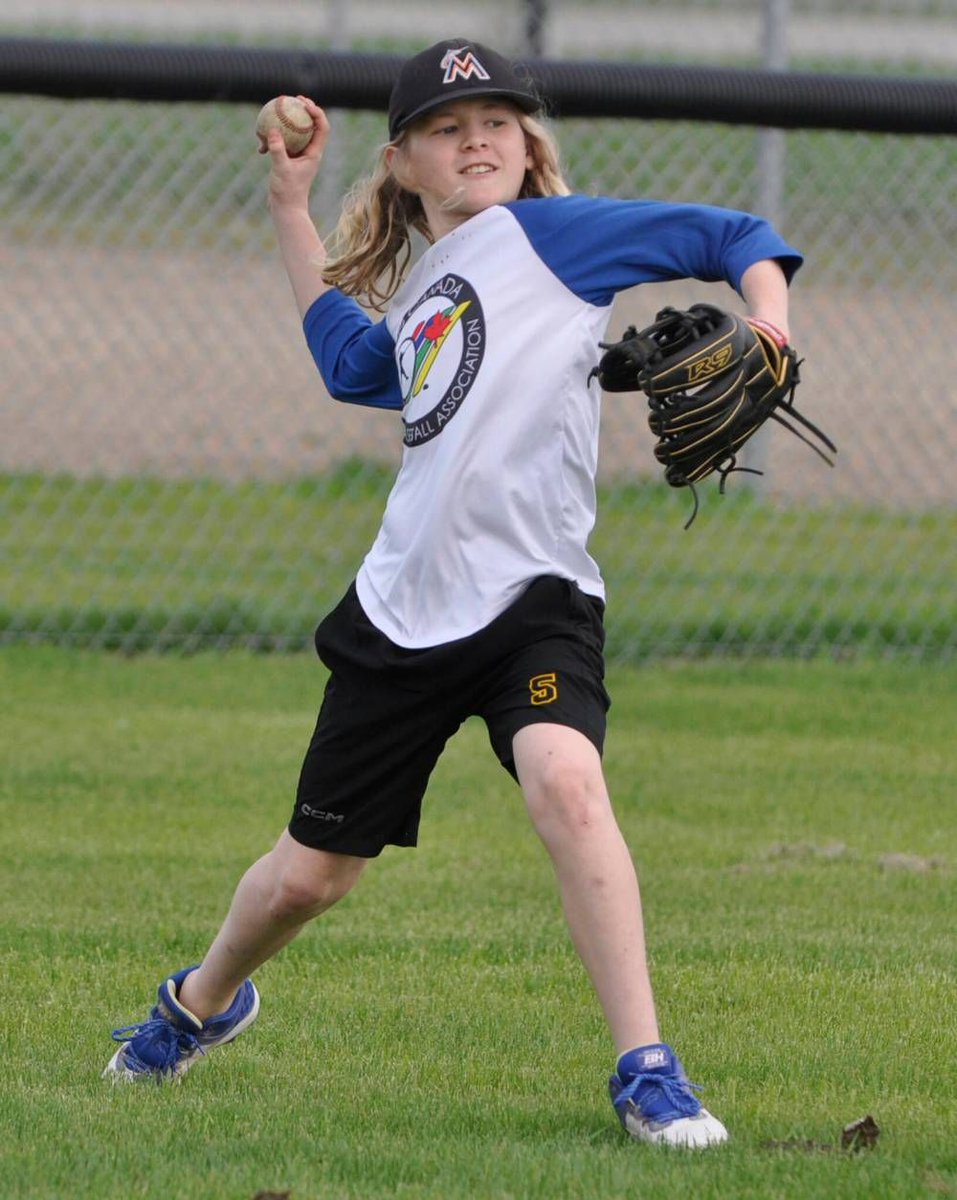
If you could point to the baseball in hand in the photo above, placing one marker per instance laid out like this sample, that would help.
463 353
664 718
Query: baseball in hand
291 117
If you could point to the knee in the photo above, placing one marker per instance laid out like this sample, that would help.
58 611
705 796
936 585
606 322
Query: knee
300 892
567 798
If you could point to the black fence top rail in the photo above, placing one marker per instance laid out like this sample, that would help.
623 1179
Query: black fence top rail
777 99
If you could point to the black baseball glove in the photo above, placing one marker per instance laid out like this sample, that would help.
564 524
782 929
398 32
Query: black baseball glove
712 379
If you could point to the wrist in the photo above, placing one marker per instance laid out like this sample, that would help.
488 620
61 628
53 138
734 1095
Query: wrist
290 203
775 333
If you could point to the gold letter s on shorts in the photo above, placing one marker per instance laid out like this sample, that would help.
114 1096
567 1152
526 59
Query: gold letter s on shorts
544 688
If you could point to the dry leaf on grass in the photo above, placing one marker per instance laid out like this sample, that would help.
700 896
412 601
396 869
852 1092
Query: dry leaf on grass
861 1134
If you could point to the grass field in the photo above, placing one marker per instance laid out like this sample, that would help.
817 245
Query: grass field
434 1036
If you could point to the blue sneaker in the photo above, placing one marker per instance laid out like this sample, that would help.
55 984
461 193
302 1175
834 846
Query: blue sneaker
167 1044
656 1103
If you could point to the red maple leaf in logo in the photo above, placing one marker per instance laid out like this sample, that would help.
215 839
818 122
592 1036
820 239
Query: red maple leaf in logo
436 327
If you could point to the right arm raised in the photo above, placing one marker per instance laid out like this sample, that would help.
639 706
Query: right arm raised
354 357
290 182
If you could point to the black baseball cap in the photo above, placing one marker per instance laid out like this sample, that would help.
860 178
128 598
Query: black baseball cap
455 69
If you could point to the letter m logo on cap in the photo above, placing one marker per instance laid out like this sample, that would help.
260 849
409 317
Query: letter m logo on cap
461 64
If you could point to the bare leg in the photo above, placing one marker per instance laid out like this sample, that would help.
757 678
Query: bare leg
561 776
276 897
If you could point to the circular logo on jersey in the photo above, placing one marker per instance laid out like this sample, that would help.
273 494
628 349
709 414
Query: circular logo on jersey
439 351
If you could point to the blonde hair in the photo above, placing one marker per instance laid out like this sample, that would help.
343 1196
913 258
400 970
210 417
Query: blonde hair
372 244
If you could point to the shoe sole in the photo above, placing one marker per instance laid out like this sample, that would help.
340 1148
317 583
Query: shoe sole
687 1133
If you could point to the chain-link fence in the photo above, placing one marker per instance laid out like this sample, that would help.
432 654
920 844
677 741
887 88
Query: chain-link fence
174 474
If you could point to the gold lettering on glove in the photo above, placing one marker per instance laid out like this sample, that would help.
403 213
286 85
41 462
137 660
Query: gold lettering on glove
710 365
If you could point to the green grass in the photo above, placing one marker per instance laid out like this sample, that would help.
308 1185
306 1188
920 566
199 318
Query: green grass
137 564
434 1037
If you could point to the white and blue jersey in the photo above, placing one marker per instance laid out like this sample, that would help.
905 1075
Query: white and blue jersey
486 350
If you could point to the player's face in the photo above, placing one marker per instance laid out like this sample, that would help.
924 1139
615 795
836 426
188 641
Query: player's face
462 159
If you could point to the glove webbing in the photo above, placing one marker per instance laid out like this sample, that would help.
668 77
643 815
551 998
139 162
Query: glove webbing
676 477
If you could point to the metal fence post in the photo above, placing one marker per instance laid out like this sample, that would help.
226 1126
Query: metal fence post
535 11
330 184
771 151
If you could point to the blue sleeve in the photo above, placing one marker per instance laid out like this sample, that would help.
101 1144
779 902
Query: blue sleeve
599 246
354 356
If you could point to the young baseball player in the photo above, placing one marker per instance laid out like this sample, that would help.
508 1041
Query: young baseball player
479 595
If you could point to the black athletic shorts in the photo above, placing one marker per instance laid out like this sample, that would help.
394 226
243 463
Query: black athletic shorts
387 711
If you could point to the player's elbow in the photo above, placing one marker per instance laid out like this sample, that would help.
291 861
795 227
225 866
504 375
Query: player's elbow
350 388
